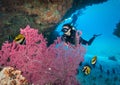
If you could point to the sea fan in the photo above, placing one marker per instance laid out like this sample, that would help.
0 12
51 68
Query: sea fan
40 64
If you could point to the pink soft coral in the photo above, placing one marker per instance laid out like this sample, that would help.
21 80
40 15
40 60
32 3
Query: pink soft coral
41 64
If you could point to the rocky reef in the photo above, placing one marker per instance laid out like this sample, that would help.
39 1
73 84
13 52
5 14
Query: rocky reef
117 30
44 15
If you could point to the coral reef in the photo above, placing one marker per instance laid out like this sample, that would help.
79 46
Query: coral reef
10 76
40 64
117 30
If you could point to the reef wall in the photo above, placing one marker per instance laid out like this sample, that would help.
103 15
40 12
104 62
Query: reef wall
44 15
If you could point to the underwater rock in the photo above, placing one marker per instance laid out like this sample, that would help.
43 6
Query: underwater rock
42 14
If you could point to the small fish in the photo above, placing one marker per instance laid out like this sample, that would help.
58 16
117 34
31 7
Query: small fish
20 39
94 59
86 70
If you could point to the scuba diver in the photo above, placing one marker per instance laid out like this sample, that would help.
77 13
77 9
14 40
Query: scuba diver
69 36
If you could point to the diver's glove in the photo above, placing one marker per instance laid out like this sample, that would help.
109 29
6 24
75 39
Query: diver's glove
96 35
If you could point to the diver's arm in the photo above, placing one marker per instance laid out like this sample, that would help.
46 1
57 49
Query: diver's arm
83 41
93 38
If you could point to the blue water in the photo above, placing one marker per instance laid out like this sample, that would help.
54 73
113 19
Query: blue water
101 18
95 19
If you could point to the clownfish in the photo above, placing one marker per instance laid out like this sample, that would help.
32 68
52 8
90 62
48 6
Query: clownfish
86 70
20 39
94 59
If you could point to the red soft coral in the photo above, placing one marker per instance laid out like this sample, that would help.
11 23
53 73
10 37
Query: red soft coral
41 64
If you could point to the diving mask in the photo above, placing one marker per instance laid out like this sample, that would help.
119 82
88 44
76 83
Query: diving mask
65 29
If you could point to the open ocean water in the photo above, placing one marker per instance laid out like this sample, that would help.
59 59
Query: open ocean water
100 19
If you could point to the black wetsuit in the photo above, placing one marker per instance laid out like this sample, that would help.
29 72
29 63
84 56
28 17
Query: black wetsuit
71 39
85 42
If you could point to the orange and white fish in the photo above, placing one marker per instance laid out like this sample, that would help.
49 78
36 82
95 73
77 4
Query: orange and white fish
20 39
